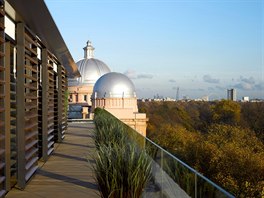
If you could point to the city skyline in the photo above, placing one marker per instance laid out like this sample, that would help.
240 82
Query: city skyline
202 47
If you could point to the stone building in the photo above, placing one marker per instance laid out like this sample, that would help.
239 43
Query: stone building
115 92
80 89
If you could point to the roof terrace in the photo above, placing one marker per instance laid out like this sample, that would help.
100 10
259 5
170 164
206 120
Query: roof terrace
68 173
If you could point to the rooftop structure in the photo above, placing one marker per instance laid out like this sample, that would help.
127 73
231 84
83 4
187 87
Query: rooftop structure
115 92
231 94
114 85
80 89
91 69
34 65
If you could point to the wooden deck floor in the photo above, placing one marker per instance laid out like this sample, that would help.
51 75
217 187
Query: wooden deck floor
67 173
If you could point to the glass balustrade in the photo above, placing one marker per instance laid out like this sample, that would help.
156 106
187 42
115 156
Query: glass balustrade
174 178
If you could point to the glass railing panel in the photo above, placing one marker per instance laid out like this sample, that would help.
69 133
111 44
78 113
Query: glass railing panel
154 188
174 178
206 188
178 180
153 151
171 177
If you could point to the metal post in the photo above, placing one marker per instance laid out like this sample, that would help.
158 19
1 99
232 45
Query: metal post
7 115
195 185
161 164
60 109
20 100
44 58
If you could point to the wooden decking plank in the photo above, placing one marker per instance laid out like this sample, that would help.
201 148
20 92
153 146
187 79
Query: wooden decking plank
67 172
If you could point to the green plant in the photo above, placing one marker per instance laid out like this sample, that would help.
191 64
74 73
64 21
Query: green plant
121 171
109 129
122 167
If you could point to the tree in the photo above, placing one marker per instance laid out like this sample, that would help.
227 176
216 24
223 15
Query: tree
226 112
252 116
237 163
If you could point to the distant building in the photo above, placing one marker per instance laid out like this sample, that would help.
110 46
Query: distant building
81 89
115 92
169 99
257 100
245 99
231 94
204 99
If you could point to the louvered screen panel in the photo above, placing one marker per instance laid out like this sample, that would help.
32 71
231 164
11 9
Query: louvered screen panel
2 98
40 137
64 102
51 87
31 105
40 112
13 116
56 118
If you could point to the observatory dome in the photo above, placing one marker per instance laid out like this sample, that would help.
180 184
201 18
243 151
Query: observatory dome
91 69
114 85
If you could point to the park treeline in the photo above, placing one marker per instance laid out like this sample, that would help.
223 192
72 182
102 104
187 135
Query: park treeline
223 140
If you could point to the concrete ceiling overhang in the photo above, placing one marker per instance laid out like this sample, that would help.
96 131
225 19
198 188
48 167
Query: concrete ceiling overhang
38 18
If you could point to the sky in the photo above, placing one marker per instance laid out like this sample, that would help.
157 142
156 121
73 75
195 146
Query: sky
201 47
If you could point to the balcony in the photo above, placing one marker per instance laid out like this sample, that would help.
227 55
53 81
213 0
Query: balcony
69 172
66 173
170 177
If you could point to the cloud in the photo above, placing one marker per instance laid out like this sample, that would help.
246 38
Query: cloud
133 75
244 86
249 80
175 88
172 80
199 89
246 83
210 89
207 78
220 88
148 76
260 86
250 85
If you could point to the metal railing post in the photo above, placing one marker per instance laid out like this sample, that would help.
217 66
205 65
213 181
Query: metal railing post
195 188
161 164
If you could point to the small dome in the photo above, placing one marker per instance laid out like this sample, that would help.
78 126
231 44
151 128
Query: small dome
91 69
114 85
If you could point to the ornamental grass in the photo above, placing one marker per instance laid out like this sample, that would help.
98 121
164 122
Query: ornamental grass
122 167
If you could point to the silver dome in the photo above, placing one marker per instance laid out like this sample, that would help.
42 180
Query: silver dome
114 85
91 69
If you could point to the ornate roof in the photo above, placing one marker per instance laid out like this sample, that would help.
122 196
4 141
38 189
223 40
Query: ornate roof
91 69
114 85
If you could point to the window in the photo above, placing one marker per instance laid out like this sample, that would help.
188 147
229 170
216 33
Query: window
10 28
70 99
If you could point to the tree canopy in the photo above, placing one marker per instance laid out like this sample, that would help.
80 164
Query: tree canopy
223 140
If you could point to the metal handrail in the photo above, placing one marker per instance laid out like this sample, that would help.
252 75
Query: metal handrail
192 170
229 195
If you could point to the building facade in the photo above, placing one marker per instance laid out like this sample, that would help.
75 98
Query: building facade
34 66
231 94
115 92
81 89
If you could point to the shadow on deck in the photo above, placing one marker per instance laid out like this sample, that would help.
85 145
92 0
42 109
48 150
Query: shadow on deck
67 172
